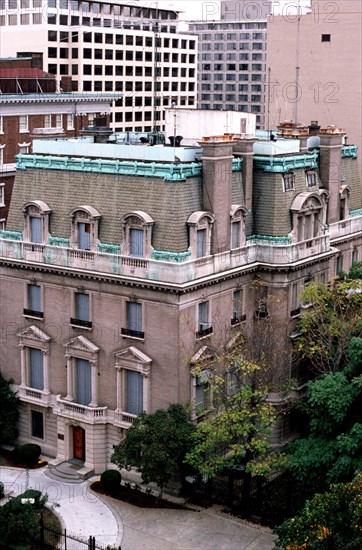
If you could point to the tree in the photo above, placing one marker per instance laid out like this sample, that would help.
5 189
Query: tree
9 413
326 327
332 451
236 431
156 444
332 520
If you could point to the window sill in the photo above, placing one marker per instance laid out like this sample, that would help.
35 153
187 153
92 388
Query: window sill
205 333
134 334
77 323
24 131
33 314
238 320
295 313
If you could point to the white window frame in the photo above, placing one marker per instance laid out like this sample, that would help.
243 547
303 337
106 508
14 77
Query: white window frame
59 121
344 197
288 181
84 215
307 214
238 215
70 122
2 194
81 348
1 124
2 224
24 146
36 209
204 328
140 221
238 315
131 359
47 121
202 360
23 124
200 221
311 178
33 337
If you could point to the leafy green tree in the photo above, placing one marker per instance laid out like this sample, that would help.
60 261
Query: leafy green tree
326 327
238 428
356 271
9 412
329 521
332 451
156 444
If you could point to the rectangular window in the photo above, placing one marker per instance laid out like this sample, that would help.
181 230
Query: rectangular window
83 384
34 307
23 123
295 306
47 121
70 122
84 230
238 306
37 424
59 121
134 320
203 325
326 37
81 311
311 178
201 243
288 181
2 194
202 392
133 399
136 242
35 230
36 374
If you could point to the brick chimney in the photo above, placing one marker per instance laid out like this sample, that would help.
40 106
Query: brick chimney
330 163
217 186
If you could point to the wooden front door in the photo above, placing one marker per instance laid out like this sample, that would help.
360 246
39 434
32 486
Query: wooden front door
79 443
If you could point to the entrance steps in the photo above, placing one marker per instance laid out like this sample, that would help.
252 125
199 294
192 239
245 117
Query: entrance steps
72 471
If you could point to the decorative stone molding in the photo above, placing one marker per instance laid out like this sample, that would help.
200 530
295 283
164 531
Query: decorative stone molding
284 164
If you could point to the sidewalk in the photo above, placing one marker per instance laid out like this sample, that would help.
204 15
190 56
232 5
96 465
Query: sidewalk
118 523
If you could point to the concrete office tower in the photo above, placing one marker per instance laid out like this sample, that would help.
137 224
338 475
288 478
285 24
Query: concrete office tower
234 10
108 47
330 61
232 65
113 288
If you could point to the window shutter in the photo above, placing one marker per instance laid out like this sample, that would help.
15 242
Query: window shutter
36 376
34 298
136 242
84 236
134 392
83 382
35 230
82 306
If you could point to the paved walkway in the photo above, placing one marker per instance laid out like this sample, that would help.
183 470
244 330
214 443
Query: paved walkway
118 523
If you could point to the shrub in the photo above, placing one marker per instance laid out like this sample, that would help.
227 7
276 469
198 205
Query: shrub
110 480
27 454
2 494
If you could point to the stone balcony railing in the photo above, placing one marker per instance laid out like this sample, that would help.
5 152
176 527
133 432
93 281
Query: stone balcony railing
75 411
272 251
38 397
346 227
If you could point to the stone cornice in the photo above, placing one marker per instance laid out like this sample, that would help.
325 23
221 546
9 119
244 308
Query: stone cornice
282 164
350 151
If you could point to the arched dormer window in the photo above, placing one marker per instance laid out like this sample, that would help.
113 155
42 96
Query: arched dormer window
344 196
238 214
84 227
137 234
324 196
307 209
200 224
36 221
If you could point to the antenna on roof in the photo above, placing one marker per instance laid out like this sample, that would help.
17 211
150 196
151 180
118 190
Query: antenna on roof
297 68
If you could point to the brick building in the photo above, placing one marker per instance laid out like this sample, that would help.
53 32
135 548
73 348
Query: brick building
113 288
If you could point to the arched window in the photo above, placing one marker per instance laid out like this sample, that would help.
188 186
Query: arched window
344 196
84 227
307 211
36 222
238 214
137 234
324 196
200 224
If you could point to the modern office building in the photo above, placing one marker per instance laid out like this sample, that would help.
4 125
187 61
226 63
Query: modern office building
121 268
232 66
108 47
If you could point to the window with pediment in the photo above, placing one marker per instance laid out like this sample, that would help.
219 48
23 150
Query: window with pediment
82 371
137 234
34 360
307 214
201 382
133 369
200 233
36 222
238 215
84 228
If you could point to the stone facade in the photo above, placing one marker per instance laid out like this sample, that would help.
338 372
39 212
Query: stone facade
82 364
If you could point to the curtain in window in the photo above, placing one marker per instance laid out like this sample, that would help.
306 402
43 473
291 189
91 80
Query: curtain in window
134 392
203 315
201 243
84 236
82 306
36 376
34 300
134 316
35 230
136 242
83 382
